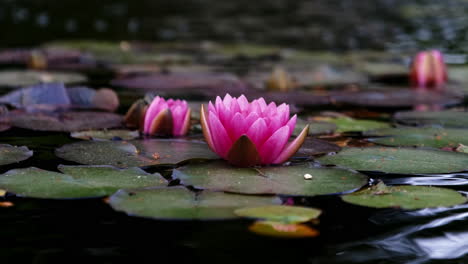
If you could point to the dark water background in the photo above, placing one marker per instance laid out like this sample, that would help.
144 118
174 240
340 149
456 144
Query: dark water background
88 231
318 24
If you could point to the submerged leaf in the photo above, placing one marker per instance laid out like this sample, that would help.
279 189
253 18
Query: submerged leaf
282 230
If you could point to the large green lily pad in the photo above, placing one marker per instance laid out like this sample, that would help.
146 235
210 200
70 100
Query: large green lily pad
398 160
346 124
28 78
405 197
280 213
12 154
76 181
134 153
441 118
420 137
106 134
304 179
182 204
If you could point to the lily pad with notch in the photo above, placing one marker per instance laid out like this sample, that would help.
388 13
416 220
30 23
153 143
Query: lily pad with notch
287 180
398 160
76 181
405 197
135 153
11 154
178 203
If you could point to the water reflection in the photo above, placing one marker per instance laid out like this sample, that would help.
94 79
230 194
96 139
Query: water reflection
435 180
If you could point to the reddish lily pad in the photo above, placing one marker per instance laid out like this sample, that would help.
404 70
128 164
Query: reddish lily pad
313 147
282 230
65 121
398 160
134 153
304 179
12 154
76 181
405 197
178 203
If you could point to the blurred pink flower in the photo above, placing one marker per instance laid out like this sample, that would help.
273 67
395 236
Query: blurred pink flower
247 134
428 71
171 117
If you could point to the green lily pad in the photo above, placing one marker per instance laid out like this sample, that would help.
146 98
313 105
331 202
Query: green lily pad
315 128
312 147
182 204
76 181
280 213
398 160
304 179
12 154
106 134
420 137
405 197
282 230
28 78
134 153
346 124
450 119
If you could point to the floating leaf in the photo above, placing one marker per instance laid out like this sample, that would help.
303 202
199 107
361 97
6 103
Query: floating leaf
398 160
287 180
420 137
450 119
65 121
12 154
347 124
77 182
134 153
2 192
315 128
282 230
182 204
106 134
27 78
280 213
405 197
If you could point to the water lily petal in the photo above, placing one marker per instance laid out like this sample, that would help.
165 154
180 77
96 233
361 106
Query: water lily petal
274 145
292 147
221 141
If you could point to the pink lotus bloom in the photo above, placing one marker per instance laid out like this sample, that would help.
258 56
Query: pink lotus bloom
428 70
171 117
247 134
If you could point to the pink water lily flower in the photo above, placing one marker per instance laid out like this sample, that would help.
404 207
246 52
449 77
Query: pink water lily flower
247 134
171 117
428 71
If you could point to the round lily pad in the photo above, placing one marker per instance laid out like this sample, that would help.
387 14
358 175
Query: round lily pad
398 160
282 230
420 137
304 179
106 134
27 78
65 121
280 213
76 181
178 203
134 153
405 197
346 124
12 154
451 119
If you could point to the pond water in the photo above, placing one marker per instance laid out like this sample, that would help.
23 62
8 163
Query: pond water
340 88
